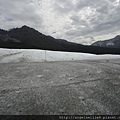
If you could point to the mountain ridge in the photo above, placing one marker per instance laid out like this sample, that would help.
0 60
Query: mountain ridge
110 43
29 38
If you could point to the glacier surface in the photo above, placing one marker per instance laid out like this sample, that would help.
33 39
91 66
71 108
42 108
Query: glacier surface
31 55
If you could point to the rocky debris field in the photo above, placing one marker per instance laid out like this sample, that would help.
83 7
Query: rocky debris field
90 87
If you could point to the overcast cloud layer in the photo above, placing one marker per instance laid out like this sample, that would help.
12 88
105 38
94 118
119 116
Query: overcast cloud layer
82 21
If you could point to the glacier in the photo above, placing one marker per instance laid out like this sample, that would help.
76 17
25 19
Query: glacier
32 55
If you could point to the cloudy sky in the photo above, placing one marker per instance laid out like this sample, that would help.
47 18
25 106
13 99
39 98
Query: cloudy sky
81 21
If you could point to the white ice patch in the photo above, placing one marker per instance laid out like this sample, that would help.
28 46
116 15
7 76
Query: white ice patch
30 55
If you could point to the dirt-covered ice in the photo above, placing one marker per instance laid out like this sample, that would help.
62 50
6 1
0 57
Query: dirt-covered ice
90 87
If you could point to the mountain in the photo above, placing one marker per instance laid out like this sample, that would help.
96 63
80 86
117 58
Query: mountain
26 37
111 43
29 38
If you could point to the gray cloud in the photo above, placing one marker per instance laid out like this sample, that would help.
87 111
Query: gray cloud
63 6
17 13
104 18
76 20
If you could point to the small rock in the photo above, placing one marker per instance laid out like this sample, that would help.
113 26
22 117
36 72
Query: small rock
70 78
82 98
61 110
40 76
17 92
76 76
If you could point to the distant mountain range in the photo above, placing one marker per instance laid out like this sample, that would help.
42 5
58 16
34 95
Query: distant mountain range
29 38
111 43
